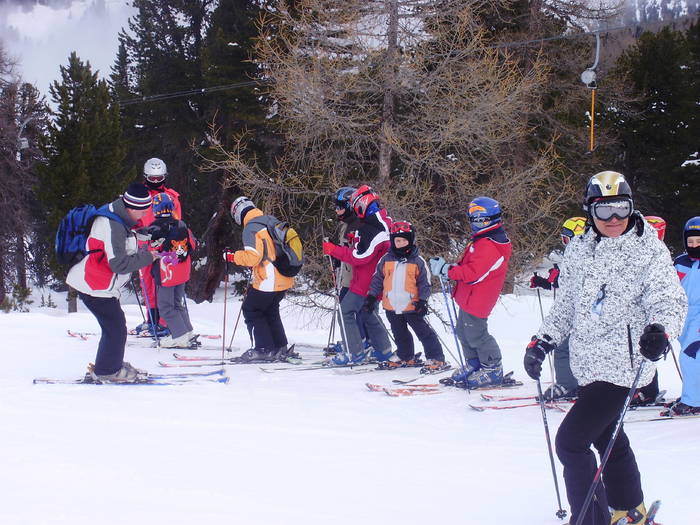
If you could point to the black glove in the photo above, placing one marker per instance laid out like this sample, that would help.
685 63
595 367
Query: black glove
370 301
540 282
534 355
336 262
653 344
421 307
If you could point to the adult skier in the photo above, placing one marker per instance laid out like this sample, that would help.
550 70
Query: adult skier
620 302
261 305
155 172
479 275
688 268
98 278
566 386
371 243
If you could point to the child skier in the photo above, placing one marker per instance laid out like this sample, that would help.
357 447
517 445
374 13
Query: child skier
403 279
688 268
174 241
480 274
566 386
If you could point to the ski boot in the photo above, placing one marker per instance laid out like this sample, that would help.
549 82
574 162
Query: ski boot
126 374
433 366
680 409
486 376
348 360
635 516
334 349
461 375
253 355
640 400
286 354
558 392
375 356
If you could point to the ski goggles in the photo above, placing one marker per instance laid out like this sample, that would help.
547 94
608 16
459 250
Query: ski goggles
606 209
155 179
401 227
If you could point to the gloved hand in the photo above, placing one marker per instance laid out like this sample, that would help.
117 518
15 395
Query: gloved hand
328 247
421 307
653 344
537 281
370 302
229 257
438 267
534 355
553 276
336 263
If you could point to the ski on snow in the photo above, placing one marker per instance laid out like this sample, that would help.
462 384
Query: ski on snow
217 376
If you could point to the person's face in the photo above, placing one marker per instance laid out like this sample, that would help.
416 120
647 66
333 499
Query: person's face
611 228
339 212
135 215
400 242
694 241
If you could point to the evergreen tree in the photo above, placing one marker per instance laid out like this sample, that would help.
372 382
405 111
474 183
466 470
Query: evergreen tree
660 133
83 147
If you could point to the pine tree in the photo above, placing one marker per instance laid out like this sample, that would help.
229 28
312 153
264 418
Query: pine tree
83 148
660 132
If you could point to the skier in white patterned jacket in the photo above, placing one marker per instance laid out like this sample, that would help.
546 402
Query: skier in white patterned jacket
620 301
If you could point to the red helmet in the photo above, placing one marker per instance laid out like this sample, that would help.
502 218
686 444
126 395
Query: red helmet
361 198
659 225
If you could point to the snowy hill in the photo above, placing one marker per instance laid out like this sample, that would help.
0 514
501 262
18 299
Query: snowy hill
307 447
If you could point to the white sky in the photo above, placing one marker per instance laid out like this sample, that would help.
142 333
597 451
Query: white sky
42 37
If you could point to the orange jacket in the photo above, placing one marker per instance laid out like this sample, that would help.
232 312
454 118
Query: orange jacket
259 251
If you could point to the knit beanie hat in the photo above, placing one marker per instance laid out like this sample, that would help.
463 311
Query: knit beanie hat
163 205
137 197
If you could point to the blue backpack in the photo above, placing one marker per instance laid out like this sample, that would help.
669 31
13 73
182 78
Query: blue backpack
74 229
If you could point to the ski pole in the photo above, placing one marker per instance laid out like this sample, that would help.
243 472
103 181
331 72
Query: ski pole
454 331
549 355
618 426
238 318
441 341
133 286
148 305
675 362
223 329
331 331
341 321
561 513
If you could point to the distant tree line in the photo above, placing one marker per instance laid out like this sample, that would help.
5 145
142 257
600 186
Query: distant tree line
426 100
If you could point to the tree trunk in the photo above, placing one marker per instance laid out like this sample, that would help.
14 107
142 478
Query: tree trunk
21 261
389 82
3 290
72 301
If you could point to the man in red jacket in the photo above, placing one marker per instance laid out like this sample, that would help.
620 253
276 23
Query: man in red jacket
371 243
479 275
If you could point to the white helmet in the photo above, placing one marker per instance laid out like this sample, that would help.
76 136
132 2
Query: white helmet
155 171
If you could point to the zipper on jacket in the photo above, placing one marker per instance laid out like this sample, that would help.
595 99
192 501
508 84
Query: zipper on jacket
597 307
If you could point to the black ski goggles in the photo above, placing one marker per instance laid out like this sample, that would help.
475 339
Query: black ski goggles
605 209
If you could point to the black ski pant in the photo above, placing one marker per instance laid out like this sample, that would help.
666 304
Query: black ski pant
592 420
261 311
110 316
404 340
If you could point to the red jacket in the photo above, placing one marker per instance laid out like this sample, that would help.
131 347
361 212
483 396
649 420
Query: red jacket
481 272
371 243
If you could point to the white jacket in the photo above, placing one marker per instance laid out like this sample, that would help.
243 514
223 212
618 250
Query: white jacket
607 284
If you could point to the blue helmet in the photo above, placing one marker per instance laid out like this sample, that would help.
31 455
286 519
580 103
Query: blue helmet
342 197
483 212
691 228
163 205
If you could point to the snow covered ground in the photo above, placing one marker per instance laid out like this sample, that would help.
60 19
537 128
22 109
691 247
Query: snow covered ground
307 447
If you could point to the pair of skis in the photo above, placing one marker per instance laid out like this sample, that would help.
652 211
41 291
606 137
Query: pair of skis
216 376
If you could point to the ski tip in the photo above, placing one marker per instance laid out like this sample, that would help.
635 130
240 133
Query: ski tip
477 408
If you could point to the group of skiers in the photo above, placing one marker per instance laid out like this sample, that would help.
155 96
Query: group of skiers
618 306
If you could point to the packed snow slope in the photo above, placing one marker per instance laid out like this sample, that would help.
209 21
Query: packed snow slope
289 447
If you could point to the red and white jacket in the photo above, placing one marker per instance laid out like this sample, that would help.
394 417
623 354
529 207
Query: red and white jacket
370 243
481 272
103 272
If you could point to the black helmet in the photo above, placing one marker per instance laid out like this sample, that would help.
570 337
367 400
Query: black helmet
605 184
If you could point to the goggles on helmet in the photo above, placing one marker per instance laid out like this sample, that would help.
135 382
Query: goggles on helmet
155 179
401 227
606 209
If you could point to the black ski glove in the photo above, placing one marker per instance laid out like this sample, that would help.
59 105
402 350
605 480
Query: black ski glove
534 355
370 301
537 281
421 307
653 344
